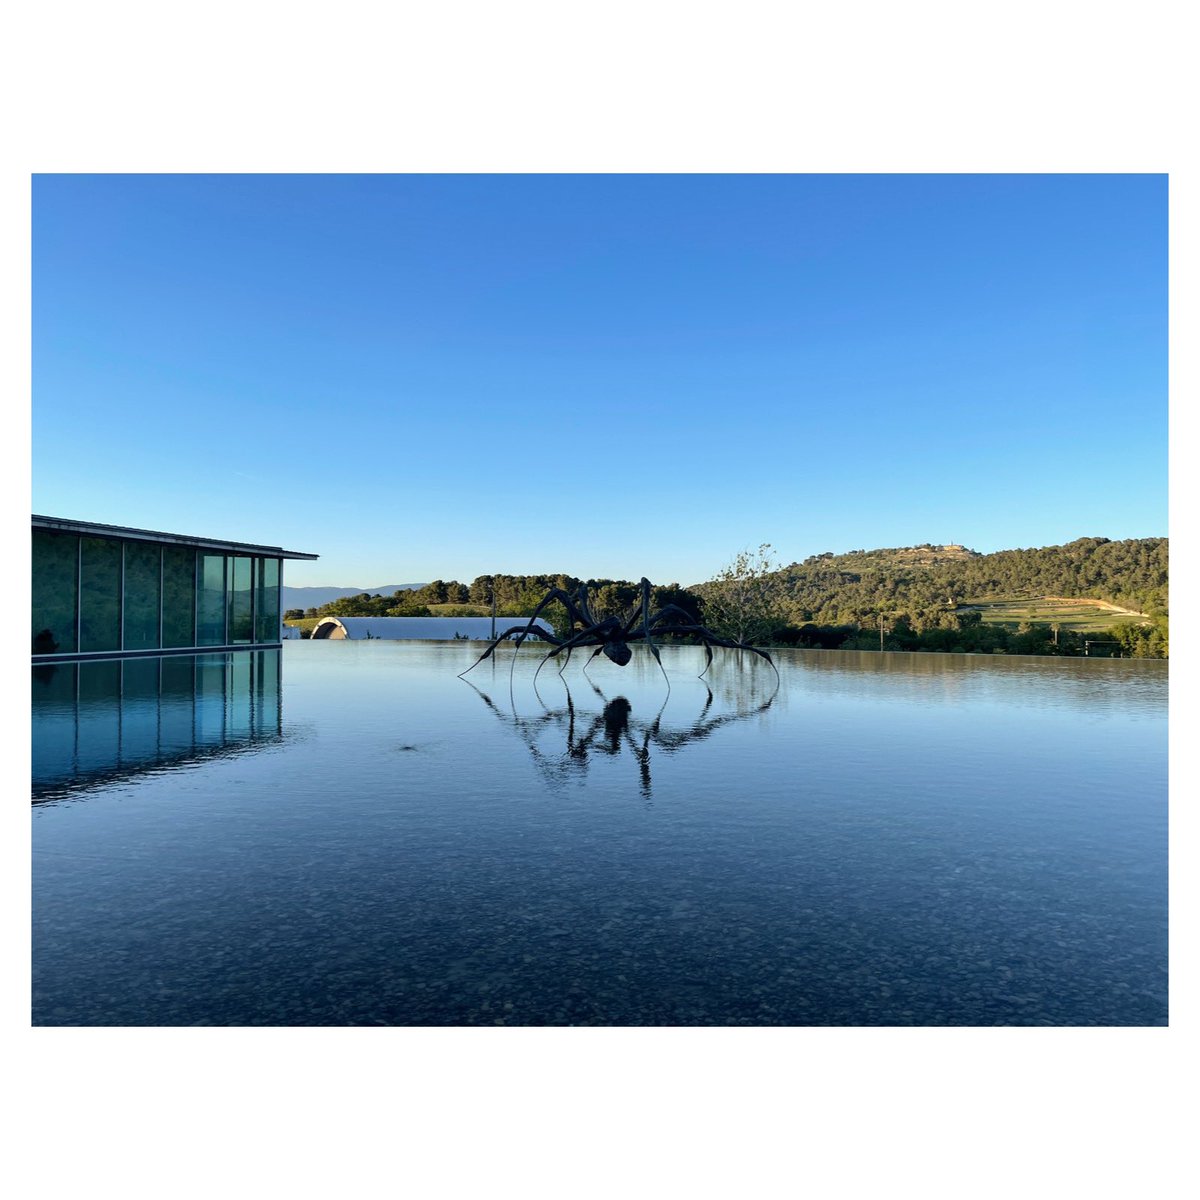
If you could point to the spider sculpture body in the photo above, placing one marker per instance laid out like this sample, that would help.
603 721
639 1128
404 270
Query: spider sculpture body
611 635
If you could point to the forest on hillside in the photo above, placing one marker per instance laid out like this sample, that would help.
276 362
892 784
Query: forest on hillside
915 594
844 600
856 587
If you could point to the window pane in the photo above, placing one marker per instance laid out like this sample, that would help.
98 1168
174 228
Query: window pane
267 616
240 598
210 629
179 596
142 567
55 579
99 594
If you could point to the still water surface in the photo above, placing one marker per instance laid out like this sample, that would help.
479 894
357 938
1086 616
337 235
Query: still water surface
345 833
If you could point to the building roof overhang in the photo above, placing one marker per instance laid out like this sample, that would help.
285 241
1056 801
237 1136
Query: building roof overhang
90 529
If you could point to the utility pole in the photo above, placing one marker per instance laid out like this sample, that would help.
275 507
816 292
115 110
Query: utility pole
493 608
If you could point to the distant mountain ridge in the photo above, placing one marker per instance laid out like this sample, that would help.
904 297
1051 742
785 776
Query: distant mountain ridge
314 597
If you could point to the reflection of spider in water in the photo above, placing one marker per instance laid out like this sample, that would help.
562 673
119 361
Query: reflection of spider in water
612 635
607 732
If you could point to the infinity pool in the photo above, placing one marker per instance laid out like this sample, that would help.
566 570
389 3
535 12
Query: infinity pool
345 833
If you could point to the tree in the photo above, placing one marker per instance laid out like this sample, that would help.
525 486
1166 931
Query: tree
741 601
672 593
611 599
434 593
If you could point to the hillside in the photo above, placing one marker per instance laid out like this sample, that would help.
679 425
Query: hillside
924 582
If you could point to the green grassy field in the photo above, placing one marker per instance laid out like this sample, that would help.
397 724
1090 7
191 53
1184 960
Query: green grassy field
1081 616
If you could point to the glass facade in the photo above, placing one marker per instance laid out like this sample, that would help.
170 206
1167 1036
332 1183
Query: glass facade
179 597
241 602
55 590
108 594
266 600
211 601
99 594
143 596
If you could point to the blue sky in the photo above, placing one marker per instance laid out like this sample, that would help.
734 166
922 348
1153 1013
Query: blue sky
421 376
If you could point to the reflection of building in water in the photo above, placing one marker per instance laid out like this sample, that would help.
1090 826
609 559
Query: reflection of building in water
100 720
102 590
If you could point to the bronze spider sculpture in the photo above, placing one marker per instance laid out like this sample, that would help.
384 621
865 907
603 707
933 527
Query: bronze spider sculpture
611 635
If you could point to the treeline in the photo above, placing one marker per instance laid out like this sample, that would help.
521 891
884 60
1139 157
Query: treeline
515 596
967 633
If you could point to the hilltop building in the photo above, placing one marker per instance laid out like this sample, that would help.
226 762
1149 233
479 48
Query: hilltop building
105 591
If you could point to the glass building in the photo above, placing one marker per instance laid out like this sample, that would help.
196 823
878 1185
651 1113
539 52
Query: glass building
103 591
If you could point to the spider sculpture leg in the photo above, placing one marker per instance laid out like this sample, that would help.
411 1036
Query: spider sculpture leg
646 623
656 622
523 630
591 659
531 630
710 639
582 638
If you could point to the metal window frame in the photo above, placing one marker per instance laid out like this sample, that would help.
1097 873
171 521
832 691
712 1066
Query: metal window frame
78 592
121 603
162 599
